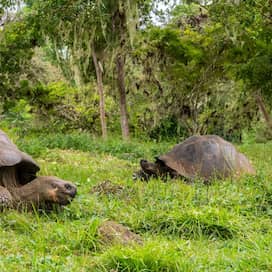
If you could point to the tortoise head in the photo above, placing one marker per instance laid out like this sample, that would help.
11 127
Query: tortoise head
148 170
56 190
52 190
153 169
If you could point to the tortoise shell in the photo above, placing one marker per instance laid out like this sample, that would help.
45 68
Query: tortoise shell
12 157
206 156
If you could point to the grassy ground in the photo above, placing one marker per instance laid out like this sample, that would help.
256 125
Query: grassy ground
223 227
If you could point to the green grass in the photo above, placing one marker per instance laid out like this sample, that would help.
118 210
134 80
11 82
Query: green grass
223 227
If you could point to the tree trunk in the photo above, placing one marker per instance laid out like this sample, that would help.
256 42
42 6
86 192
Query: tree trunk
265 113
120 28
120 63
101 95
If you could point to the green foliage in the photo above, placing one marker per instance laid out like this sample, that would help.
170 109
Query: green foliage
169 41
169 128
19 115
187 81
16 49
258 71
248 35
195 74
56 107
53 93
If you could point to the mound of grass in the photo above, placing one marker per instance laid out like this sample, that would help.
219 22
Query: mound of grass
192 224
152 257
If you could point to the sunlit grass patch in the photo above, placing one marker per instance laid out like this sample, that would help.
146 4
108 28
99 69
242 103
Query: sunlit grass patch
192 224
85 168
153 256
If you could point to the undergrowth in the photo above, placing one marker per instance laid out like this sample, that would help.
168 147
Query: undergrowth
39 145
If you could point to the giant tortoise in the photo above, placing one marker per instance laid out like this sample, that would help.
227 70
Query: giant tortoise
19 185
204 157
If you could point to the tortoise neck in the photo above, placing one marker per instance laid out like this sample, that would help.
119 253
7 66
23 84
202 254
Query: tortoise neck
26 193
8 177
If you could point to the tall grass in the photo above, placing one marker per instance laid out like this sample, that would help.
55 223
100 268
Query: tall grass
38 145
222 227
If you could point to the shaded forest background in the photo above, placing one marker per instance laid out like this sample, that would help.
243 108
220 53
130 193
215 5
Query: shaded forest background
144 69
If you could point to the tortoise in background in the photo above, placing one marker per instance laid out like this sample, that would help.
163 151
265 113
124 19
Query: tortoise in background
205 157
19 184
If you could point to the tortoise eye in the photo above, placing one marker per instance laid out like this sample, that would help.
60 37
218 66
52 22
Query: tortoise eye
53 185
68 186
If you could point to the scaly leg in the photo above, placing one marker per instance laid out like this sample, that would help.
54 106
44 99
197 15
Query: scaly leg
5 198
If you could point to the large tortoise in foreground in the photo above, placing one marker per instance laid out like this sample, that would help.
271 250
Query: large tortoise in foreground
204 157
19 185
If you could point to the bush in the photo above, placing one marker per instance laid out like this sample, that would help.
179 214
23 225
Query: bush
38 144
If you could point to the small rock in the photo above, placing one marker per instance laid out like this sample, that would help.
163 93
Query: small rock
112 232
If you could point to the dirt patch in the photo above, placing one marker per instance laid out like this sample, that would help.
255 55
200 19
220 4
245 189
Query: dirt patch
112 232
107 187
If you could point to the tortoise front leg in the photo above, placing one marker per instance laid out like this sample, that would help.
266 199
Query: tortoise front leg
5 198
